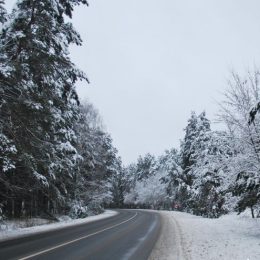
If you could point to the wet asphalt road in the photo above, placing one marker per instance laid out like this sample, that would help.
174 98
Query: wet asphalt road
131 234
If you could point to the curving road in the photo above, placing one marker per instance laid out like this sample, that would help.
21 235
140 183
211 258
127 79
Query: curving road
131 234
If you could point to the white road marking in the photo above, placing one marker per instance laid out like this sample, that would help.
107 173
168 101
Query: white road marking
75 240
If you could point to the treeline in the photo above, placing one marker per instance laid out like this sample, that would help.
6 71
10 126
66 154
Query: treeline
213 172
55 157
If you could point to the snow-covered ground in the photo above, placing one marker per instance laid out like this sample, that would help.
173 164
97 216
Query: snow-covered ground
189 237
14 229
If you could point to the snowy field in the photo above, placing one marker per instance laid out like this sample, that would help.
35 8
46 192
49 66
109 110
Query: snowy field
14 229
189 237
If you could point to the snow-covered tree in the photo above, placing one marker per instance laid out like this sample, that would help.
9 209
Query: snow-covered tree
170 164
39 105
193 147
187 148
3 12
99 167
236 112
211 175
152 192
145 166
196 137
118 187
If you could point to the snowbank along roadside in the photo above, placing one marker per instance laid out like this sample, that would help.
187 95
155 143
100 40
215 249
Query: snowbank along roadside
188 237
21 232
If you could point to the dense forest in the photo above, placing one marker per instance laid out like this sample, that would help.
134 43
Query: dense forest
213 172
56 157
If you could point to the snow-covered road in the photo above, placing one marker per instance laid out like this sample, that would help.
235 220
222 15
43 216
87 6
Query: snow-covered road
189 237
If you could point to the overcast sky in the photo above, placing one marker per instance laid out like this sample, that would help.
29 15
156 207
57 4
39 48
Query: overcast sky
152 62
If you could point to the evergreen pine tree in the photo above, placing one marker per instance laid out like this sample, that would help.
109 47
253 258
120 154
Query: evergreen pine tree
145 167
40 102
192 148
2 12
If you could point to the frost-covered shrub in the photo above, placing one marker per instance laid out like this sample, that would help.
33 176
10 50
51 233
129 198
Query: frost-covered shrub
95 208
78 210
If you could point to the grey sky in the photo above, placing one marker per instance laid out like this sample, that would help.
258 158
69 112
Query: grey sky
151 62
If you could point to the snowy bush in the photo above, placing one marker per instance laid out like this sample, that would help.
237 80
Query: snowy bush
78 210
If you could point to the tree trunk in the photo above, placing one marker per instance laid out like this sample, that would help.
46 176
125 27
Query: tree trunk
23 209
252 212
12 208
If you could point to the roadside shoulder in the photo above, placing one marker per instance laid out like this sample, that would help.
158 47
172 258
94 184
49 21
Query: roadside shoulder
22 232
170 243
